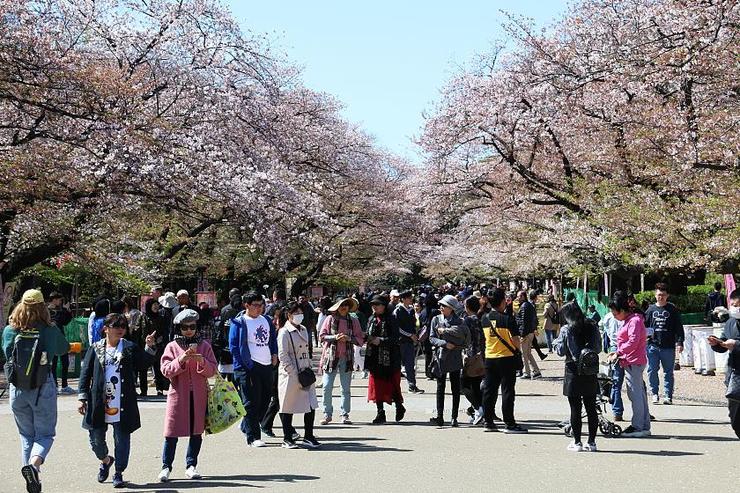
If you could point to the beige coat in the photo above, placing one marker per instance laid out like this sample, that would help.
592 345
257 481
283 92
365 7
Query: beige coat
548 314
294 399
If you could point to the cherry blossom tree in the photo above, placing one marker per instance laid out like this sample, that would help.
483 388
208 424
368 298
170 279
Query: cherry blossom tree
612 137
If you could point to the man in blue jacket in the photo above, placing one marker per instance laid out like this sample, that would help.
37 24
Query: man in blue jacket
253 345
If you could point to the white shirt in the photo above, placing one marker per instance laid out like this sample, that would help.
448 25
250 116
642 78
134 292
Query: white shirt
258 339
113 383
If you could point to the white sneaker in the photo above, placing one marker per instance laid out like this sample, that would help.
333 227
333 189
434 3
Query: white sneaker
164 475
192 473
575 447
258 444
346 420
656 400
667 401
591 447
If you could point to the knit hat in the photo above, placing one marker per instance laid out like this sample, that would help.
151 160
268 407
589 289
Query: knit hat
33 297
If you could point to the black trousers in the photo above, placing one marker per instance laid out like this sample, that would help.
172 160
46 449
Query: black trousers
255 387
471 389
308 419
65 368
577 403
428 358
734 407
274 407
500 372
455 385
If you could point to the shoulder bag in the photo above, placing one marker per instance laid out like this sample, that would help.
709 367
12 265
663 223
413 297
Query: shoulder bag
306 376
518 361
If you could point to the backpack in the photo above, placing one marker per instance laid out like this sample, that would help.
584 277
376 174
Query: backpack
27 368
588 361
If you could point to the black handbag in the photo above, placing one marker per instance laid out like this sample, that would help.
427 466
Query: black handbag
306 376
518 361
733 387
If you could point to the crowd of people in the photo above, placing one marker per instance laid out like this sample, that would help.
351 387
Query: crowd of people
480 341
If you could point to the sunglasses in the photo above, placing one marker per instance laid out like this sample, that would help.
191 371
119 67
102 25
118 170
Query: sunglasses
188 326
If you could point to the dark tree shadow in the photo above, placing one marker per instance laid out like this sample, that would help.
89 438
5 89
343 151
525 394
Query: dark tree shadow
231 481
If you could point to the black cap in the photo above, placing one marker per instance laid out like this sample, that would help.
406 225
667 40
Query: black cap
406 294
378 300
55 295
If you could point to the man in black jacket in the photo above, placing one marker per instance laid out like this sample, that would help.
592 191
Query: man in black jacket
665 335
714 299
527 320
406 319
730 341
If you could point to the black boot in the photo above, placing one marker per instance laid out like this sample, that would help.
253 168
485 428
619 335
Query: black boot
400 412
380 418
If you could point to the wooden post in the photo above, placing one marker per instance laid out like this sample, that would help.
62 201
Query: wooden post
642 282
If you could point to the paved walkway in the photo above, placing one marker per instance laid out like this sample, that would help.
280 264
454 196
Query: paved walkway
692 449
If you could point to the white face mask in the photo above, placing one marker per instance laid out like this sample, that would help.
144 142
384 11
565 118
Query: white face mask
735 312
297 319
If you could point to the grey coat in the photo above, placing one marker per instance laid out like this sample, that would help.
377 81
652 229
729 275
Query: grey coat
456 332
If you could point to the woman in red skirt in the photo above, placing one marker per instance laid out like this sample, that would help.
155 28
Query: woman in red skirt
383 360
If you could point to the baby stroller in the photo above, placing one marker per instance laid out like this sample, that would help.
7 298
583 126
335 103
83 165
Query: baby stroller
607 428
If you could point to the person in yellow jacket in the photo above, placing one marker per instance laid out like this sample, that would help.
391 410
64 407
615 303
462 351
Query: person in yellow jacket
502 357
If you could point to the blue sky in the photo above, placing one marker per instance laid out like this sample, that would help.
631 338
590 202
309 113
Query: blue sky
385 60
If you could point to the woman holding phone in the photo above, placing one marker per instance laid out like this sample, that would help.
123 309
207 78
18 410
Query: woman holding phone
188 361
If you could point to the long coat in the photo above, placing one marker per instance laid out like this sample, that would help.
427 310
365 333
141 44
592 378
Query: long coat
294 399
182 376
92 384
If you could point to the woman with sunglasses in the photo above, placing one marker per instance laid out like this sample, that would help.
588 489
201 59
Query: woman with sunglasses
188 361
108 393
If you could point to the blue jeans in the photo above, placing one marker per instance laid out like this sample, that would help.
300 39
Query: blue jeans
345 379
35 414
408 357
657 357
191 458
255 386
121 441
550 335
616 395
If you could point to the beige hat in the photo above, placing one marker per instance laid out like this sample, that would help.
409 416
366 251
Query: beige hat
33 297
353 304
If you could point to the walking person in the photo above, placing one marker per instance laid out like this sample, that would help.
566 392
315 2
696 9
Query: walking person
338 334
108 394
152 322
580 343
611 329
449 336
33 394
527 319
552 321
295 397
431 310
221 336
406 322
730 341
383 360
503 358
276 320
473 361
60 317
188 362
253 345
665 328
631 355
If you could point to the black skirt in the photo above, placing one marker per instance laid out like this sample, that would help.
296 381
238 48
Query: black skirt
575 385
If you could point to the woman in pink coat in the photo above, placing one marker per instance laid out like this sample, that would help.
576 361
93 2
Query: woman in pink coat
187 362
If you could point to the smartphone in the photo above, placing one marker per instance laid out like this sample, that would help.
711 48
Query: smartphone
193 346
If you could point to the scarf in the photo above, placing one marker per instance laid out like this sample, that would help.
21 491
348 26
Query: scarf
185 342
332 359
